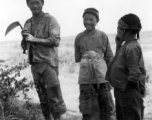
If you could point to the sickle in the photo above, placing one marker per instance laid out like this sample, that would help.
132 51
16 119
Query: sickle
12 26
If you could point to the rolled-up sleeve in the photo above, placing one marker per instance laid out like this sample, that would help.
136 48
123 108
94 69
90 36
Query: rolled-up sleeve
54 32
132 59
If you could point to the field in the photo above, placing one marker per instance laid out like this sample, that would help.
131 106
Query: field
12 53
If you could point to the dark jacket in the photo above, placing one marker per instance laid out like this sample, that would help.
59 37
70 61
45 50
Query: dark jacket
127 65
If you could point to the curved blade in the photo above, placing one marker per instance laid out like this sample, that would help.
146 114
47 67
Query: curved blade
12 26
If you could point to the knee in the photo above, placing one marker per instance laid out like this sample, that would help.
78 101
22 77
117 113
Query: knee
55 99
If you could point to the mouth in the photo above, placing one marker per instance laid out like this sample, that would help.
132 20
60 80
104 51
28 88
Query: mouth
88 26
34 10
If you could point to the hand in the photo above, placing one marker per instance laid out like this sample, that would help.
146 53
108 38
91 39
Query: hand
134 85
118 41
30 38
24 33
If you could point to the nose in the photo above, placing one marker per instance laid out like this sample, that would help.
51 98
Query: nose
87 21
34 6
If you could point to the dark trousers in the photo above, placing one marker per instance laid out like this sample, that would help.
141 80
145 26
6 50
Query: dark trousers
48 89
96 104
129 104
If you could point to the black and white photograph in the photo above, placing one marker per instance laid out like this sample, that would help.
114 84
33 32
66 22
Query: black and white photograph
76 60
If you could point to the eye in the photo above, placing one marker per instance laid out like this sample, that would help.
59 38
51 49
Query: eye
85 19
118 28
38 3
32 3
91 20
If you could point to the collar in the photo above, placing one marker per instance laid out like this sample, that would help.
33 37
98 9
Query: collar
131 40
91 32
37 18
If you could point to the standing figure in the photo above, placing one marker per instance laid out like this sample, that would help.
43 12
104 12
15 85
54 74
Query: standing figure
126 72
93 52
42 33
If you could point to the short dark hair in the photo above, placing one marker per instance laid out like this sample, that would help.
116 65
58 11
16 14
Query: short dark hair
27 1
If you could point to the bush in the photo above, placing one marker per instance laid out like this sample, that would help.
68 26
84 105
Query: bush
11 82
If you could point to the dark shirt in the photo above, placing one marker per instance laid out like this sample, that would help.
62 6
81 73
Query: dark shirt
128 65
46 27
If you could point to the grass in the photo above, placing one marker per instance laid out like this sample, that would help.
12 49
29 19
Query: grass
68 77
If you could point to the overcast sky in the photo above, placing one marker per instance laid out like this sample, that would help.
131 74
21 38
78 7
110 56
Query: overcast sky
69 14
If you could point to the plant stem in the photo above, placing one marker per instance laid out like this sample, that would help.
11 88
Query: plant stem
1 106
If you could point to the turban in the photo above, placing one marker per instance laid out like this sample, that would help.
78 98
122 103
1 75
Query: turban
125 26
130 22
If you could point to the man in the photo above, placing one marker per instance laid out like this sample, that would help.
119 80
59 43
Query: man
92 50
42 33
126 71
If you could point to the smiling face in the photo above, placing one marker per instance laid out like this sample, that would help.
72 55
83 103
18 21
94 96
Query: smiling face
90 21
35 6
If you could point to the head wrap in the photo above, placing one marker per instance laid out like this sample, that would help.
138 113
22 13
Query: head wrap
130 22
124 25
93 11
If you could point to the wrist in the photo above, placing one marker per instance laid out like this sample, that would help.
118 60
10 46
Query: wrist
35 40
